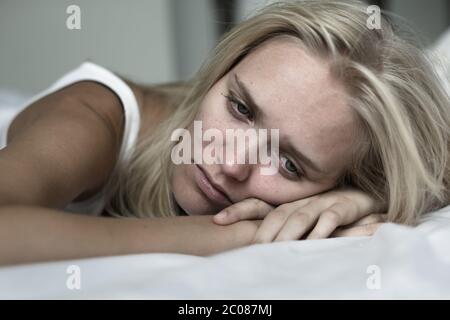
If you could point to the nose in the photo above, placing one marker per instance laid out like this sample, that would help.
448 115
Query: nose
239 155
239 172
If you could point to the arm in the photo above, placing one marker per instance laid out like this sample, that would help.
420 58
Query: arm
35 234
62 147
337 212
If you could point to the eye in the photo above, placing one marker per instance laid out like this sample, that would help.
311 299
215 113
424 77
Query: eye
243 109
289 167
238 107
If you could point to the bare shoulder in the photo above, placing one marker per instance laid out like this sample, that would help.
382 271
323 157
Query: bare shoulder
81 98
62 146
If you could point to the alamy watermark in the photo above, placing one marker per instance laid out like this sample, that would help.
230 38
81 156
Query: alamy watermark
374 19
73 281
262 148
73 21
373 282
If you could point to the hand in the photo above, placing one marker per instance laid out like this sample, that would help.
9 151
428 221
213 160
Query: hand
366 226
316 217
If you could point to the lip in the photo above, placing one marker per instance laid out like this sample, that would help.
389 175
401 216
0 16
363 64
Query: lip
211 190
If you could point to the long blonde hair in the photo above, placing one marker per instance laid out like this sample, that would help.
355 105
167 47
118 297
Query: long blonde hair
403 111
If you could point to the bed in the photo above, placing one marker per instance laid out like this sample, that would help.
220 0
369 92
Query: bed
398 262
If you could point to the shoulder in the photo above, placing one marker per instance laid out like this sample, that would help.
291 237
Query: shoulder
64 144
81 99
157 103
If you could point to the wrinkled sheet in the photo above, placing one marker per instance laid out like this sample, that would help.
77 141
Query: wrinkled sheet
408 263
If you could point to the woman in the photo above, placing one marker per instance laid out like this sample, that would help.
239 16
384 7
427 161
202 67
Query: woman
364 130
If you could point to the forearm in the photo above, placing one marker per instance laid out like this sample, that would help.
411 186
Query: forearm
34 234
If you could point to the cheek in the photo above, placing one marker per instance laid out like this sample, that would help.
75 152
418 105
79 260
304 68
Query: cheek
181 188
277 190
213 114
213 109
178 180
185 194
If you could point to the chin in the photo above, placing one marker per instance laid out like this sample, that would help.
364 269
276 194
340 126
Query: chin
187 195
192 205
188 198
192 202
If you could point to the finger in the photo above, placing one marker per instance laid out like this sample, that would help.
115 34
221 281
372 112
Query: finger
338 214
370 219
275 221
327 223
365 202
296 226
248 209
271 225
303 220
359 231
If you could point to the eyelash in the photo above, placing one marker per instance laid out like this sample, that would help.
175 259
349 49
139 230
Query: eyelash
291 174
232 100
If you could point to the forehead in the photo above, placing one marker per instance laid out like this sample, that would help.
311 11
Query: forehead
300 97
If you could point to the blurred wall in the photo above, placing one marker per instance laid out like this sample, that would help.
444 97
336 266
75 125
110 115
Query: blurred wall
245 8
430 18
149 41
196 33
134 38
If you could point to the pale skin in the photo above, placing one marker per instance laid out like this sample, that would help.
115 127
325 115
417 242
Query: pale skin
64 146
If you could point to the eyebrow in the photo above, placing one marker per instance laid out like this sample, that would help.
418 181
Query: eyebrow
252 104
248 97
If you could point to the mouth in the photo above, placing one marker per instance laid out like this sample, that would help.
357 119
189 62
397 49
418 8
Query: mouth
212 191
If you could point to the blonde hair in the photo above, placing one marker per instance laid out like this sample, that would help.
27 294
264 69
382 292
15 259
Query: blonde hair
403 111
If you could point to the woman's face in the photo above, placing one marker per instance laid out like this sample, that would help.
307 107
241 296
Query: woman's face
294 93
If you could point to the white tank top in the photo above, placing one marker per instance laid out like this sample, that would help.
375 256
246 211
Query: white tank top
89 71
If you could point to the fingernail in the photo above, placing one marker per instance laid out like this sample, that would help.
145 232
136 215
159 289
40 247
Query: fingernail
221 214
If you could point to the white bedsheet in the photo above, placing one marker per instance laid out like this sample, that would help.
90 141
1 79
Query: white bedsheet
411 263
